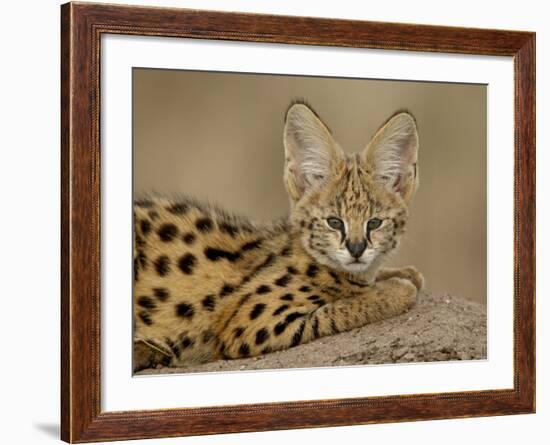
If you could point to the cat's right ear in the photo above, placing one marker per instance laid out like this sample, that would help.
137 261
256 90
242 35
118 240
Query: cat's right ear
311 152
392 155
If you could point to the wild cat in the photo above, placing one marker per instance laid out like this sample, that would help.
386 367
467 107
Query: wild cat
211 285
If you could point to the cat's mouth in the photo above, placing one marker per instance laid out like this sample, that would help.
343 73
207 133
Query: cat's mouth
341 260
355 266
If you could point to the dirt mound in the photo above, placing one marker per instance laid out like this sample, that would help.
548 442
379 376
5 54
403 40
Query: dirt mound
439 327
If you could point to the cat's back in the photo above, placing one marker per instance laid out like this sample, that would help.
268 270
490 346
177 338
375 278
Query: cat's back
188 256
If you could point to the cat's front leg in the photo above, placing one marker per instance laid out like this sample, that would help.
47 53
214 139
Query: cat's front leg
408 272
385 299
282 329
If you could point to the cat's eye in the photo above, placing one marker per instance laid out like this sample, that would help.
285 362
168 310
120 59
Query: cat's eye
335 223
374 223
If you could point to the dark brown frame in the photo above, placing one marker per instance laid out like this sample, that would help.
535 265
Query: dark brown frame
81 28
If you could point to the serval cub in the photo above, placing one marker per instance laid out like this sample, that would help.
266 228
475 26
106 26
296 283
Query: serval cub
210 285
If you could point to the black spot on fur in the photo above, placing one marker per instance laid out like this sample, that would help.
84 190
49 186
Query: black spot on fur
263 289
335 277
187 263
333 326
142 259
293 316
162 265
280 328
266 350
145 227
214 254
189 238
257 311
187 342
139 241
315 327
287 251
146 302
178 208
229 229
204 224
292 270
145 203
284 280
226 290
251 245
261 336
281 309
287 297
297 337
209 302
167 232
317 300
145 317
185 310
305 289
312 270
244 350
239 331
153 214
161 293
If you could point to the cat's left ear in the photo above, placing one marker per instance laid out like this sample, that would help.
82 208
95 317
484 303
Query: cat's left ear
311 153
392 155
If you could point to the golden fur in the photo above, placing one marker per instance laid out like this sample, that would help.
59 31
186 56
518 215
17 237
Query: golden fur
210 285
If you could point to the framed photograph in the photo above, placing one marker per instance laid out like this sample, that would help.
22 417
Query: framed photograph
274 222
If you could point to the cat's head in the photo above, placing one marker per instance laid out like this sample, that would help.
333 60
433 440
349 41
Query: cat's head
349 210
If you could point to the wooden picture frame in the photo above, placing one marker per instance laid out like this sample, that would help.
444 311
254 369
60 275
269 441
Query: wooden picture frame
82 26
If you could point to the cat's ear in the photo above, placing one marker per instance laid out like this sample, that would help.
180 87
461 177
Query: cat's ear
392 155
311 153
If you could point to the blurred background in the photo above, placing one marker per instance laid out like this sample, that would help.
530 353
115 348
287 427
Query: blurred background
219 137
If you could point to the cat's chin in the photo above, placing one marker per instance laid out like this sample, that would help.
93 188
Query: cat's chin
355 268
365 269
352 267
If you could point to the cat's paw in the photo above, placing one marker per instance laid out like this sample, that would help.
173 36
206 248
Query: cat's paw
399 293
409 273
145 356
409 291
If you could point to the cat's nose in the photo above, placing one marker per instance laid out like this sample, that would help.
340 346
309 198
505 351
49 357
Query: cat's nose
356 248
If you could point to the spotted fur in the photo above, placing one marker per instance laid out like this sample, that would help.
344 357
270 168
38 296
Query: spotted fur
210 285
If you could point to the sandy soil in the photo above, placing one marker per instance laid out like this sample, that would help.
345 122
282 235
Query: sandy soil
438 328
